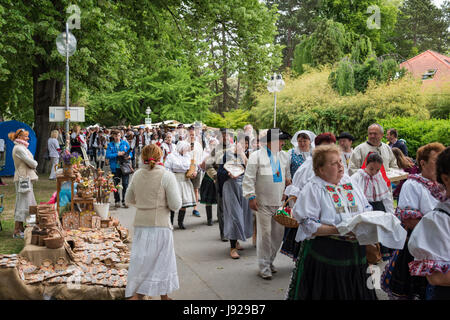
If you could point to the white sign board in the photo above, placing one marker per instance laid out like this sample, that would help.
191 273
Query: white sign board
148 120
57 114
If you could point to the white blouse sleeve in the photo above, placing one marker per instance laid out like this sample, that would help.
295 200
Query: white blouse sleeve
307 212
249 181
173 195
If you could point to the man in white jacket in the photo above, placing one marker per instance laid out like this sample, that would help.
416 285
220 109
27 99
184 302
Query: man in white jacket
265 179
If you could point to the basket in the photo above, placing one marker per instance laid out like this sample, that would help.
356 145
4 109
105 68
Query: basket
54 242
42 236
284 217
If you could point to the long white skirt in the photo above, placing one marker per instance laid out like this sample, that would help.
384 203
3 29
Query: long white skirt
186 189
153 265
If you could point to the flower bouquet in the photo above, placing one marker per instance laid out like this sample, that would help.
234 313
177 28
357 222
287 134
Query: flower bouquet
69 160
103 186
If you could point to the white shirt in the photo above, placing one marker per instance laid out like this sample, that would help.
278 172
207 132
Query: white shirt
176 162
258 178
346 159
315 207
53 146
374 188
360 153
430 240
301 178
417 197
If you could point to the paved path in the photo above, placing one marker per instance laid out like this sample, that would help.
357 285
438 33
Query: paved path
205 269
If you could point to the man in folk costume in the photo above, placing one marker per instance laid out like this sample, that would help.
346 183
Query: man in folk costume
265 179
373 144
345 141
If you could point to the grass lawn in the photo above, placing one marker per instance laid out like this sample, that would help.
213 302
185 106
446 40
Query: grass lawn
43 190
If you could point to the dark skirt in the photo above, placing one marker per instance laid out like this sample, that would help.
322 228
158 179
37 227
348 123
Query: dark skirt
438 293
330 269
290 247
208 191
397 282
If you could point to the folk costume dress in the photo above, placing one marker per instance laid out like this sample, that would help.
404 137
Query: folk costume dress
378 194
418 197
179 165
429 244
329 267
153 264
297 158
237 215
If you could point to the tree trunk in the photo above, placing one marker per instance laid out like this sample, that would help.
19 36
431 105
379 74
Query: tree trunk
237 92
46 93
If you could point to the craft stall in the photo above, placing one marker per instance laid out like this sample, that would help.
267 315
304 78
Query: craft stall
71 252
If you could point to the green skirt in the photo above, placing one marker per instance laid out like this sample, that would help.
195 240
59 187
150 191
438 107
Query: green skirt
331 269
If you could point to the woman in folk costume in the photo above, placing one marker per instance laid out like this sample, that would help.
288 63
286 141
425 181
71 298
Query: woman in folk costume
208 188
179 163
237 216
303 142
429 243
377 192
167 146
153 265
420 194
329 266
301 176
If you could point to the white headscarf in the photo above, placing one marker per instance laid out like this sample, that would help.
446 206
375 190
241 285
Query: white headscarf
311 136
183 145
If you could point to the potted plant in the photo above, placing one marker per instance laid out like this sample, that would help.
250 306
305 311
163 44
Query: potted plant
103 186
69 160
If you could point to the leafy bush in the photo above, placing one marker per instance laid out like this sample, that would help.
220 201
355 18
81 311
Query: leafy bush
309 102
235 119
419 132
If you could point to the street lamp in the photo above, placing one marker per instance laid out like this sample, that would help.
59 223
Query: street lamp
275 84
148 120
66 44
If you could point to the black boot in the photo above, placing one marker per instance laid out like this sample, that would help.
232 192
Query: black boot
172 214
181 215
209 215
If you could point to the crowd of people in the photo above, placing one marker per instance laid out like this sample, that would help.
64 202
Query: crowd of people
248 175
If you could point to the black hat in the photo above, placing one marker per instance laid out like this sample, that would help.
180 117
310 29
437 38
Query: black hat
275 134
345 135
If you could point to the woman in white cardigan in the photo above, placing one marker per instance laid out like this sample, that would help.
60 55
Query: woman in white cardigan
25 167
154 192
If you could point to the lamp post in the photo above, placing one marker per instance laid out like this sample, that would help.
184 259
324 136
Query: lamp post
66 44
147 120
275 84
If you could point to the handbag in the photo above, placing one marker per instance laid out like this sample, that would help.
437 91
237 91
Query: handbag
192 170
126 167
24 184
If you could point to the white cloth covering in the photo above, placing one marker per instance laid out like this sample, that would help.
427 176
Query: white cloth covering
301 178
153 265
416 196
374 188
375 226
430 239
315 207
310 134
